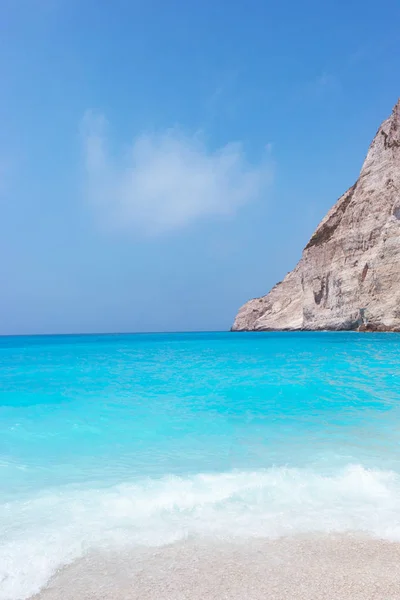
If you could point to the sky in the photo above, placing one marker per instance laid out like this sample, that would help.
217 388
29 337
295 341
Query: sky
163 162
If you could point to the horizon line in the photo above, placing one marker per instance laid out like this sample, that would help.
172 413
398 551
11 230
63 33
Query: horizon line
4 335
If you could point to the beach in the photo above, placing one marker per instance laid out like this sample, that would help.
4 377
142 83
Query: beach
345 567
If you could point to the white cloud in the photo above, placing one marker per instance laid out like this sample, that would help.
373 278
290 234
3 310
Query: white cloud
167 180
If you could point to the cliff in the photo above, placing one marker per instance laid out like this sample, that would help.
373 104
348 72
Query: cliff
349 273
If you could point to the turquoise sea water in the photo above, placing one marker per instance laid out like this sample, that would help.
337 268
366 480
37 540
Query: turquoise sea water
109 442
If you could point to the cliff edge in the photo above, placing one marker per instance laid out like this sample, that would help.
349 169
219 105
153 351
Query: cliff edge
349 274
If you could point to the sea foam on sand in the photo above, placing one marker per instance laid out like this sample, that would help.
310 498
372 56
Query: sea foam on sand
81 536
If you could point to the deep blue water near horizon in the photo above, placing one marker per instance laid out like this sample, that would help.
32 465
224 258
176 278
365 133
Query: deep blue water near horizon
113 441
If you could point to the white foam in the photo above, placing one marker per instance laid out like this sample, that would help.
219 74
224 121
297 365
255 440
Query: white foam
42 533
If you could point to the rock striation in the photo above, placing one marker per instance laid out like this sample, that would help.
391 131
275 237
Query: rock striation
349 274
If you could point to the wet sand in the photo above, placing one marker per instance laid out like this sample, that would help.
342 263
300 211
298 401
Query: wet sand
299 568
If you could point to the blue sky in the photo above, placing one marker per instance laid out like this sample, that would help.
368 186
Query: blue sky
162 162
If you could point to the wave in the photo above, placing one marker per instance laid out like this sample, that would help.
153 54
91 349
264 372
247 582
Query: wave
41 533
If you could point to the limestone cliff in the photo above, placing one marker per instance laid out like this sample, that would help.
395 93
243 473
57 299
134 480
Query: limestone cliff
349 273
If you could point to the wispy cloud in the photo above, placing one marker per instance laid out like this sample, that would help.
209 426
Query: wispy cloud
326 80
324 83
319 87
166 181
6 175
224 99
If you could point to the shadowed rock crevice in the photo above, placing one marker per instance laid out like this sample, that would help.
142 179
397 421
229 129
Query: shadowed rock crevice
364 272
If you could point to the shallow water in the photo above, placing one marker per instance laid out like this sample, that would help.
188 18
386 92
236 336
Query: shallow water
111 442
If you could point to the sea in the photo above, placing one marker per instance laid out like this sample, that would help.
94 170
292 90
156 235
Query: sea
113 442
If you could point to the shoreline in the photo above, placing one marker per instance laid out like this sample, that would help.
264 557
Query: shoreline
307 567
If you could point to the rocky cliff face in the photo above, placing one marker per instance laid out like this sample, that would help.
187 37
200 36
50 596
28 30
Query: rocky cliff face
349 274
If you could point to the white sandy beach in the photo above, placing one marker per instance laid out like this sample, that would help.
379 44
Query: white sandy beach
299 568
